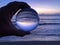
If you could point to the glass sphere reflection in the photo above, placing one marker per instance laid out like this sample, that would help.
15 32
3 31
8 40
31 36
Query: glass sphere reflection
27 20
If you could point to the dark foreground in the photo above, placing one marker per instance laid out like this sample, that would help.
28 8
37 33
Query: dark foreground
31 43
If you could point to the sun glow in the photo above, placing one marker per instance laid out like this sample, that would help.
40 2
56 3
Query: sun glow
25 23
27 26
46 10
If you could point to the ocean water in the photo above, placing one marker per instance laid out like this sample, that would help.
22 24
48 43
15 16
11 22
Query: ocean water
48 30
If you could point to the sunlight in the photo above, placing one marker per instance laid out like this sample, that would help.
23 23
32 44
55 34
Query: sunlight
46 10
26 26
25 23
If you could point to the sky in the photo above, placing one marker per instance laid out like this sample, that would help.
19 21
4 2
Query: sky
41 6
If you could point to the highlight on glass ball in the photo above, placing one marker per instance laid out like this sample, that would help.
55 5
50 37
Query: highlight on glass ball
26 20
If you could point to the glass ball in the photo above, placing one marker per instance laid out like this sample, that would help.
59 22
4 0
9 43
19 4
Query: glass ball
26 20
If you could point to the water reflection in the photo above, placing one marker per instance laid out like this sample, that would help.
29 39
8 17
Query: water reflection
26 20
27 26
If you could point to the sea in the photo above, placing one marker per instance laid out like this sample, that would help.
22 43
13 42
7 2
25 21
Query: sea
47 30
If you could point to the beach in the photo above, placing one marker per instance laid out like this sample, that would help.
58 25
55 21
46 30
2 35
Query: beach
49 32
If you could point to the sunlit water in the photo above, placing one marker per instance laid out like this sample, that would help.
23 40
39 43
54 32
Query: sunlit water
41 33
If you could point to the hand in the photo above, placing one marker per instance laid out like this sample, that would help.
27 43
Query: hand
6 13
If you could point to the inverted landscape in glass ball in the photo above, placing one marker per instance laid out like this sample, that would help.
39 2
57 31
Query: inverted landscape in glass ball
27 20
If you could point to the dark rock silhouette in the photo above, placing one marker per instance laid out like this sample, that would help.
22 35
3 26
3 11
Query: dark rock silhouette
6 13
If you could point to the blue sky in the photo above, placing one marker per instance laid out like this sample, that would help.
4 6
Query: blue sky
41 6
